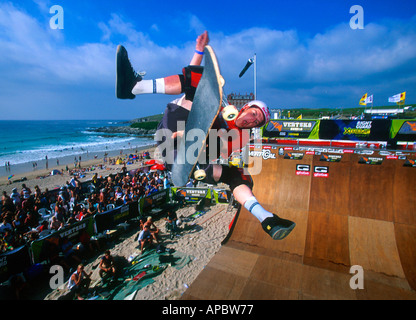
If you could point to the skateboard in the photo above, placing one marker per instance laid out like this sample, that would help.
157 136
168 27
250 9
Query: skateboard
208 102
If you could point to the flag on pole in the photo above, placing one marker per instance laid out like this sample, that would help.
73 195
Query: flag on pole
366 99
402 98
248 64
395 98
363 100
398 98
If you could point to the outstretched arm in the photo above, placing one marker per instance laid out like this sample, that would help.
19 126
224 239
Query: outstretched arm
201 42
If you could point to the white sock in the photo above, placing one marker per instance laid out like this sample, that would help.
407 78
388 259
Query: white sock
256 209
149 86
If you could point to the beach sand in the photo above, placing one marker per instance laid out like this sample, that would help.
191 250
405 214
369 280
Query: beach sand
201 238
51 182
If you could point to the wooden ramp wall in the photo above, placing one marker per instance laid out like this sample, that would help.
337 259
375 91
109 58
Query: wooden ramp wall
361 214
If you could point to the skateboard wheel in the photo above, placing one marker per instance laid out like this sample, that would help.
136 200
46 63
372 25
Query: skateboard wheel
229 113
200 175
222 81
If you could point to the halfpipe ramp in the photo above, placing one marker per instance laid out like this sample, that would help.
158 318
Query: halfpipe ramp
349 211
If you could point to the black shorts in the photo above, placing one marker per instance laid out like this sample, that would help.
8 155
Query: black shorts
174 112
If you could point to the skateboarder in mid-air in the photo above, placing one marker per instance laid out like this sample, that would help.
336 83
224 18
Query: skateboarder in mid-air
253 114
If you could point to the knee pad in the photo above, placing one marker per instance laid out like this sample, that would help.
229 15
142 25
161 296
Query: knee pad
191 77
234 177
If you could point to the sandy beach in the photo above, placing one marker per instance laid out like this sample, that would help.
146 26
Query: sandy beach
43 179
200 238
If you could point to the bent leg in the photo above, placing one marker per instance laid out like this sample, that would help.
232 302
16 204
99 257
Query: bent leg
241 186
172 85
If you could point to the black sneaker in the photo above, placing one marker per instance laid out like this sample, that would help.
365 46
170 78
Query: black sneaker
278 228
126 77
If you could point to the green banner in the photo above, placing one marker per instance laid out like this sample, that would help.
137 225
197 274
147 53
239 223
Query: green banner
336 129
192 194
41 248
403 130
300 129
154 200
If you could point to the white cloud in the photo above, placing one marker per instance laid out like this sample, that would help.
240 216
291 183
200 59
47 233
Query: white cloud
328 68
196 25
33 49
292 70
119 26
43 5
154 27
346 55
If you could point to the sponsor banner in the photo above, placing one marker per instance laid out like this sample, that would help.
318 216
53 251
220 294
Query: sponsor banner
371 160
42 248
13 262
312 150
265 154
320 172
385 153
154 200
408 127
111 218
331 157
293 156
303 170
262 146
403 130
366 152
222 196
192 194
410 163
355 130
292 129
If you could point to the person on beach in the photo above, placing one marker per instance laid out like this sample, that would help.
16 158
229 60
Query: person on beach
15 196
55 224
145 238
26 192
254 114
79 282
152 228
171 222
103 200
107 265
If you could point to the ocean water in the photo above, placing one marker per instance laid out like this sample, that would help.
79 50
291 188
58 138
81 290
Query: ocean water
23 143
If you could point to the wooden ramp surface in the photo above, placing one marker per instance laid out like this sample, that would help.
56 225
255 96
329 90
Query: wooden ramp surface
360 214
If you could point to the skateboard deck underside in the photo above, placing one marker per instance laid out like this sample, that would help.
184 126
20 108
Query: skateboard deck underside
205 108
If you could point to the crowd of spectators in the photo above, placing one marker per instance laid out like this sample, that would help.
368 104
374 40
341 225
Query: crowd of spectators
30 214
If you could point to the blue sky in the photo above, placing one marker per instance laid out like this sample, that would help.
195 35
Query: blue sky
307 53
